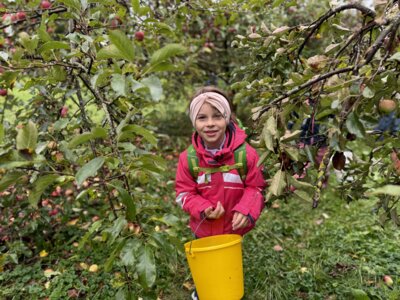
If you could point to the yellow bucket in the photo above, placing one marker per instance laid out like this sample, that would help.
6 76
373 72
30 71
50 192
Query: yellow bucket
216 266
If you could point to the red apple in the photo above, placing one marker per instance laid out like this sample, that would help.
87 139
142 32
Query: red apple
388 280
45 4
54 194
45 202
53 212
139 36
5 17
21 15
209 45
387 105
64 111
3 92
115 22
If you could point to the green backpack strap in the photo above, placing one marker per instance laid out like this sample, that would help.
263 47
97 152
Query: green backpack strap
241 161
193 161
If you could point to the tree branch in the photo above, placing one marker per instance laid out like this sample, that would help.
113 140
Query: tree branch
56 10
360 32
330 13
305 85
370 53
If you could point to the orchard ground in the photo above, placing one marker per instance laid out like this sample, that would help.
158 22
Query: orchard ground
337 251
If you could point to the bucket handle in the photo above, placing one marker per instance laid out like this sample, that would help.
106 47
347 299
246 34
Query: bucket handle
197 228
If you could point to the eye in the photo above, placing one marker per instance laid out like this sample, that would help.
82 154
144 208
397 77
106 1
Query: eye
201 117
218 116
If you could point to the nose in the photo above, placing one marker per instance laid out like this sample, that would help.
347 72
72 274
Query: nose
210 122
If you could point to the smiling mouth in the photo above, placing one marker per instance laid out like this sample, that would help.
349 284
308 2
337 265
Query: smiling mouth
211 133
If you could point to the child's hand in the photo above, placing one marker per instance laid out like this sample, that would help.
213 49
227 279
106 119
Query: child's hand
239 221
216 213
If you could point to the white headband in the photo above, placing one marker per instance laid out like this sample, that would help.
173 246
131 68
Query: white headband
215 99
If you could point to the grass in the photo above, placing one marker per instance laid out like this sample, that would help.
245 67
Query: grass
337 251
334 252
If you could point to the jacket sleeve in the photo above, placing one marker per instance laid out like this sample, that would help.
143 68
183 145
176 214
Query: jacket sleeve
186 192
252 201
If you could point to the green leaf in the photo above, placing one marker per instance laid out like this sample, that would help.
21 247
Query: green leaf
138 130
395 216
155 87
127 254
89 169
368 93
110 51
97 132
43 34
123 44
354 125
166 52
128 201
118 84
291 136
278 183
293 152
18 164
74 4
80 139
395 56
146 267
303 195
268 133
168 219
262 158
40 185
27 42
162 67
9 179
276 3
118 225
93 228
53 45
358 294
27 137
390 189
109 262
135 5
302 185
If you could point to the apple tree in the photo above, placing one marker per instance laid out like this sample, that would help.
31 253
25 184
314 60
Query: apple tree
326 94
79 84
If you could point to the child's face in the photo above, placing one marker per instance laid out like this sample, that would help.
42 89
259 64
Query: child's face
210 125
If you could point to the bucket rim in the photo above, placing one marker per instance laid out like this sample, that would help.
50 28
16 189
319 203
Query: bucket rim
191 249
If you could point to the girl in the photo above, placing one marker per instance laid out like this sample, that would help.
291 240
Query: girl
218 202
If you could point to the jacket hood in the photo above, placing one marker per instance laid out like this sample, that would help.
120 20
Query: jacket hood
235 136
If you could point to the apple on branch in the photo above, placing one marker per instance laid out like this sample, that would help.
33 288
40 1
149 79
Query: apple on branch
45 4
387 105
139 36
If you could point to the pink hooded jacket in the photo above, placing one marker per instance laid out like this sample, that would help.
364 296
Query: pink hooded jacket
195 195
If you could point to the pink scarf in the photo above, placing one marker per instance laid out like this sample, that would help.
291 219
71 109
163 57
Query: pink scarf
215 99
